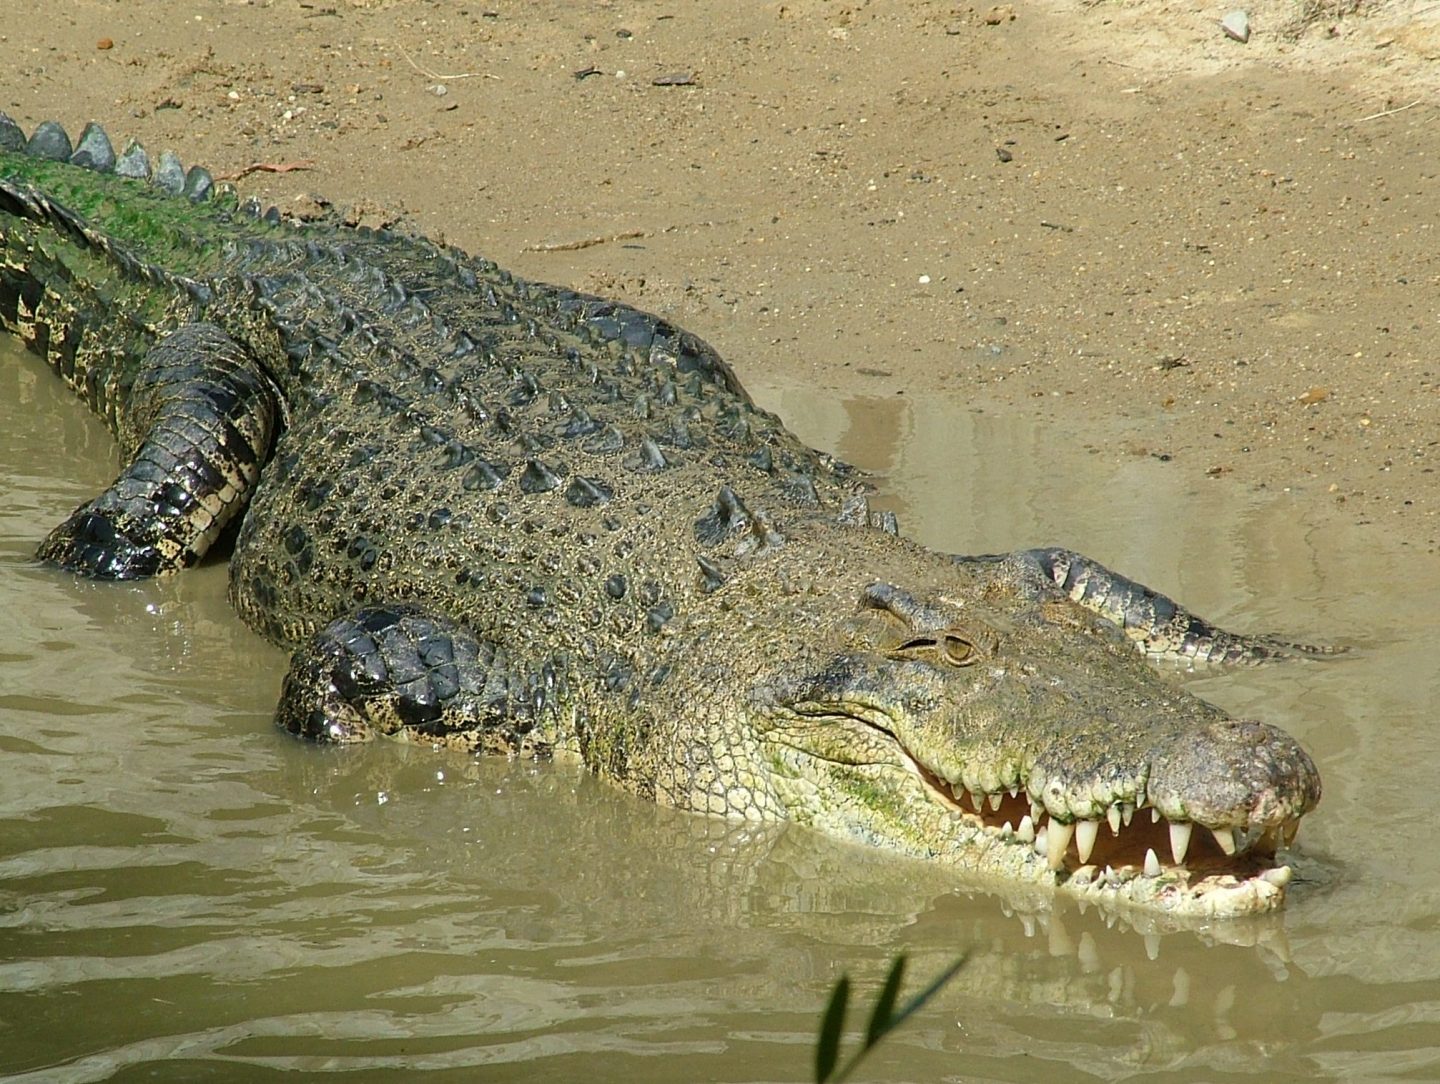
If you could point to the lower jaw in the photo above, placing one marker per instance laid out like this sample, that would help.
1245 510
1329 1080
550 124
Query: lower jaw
1179 891
1250 884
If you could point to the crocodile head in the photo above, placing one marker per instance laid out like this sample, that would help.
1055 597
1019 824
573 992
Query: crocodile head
1022 738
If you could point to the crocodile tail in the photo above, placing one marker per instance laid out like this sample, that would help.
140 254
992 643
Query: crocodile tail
21 201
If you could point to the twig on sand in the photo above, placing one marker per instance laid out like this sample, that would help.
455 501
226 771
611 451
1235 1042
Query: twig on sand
266 167
1391 112
432 74
584 242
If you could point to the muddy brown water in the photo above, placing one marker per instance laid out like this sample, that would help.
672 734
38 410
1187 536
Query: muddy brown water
187 894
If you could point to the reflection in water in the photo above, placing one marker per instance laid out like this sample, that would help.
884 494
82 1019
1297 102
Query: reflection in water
186 892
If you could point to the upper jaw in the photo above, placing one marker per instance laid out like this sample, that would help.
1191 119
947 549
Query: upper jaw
1234 773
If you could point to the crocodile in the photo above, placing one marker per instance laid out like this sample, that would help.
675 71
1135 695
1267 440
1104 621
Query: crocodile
513 518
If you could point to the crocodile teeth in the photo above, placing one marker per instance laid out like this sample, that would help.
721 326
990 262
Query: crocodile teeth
1279 876
1085 833
1127 812
1026 831
1154 815
1226 838
1152 863
995 800
977 799
1113 816
1179 841
1059 836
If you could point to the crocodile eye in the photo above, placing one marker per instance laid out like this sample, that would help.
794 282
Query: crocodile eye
957 650
953 648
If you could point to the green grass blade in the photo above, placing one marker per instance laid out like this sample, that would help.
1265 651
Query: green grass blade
883 1019
832 1024
915 1003
880 1021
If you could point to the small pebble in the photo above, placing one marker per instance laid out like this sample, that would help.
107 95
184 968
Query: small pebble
1236 24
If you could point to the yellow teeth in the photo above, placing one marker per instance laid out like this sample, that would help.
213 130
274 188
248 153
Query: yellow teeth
1179 840
1057 838
1085 833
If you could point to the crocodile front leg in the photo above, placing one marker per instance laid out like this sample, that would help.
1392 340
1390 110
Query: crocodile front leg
1159 627
205 416
399 672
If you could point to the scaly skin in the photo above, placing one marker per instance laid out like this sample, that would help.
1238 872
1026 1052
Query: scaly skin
511 518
